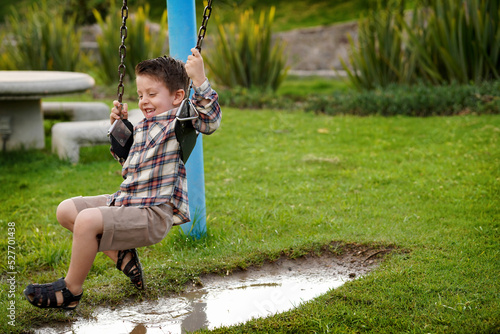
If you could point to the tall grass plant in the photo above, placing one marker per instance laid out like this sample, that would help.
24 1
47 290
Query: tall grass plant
40 38
245 55
456 41
376 58
441 42
142 42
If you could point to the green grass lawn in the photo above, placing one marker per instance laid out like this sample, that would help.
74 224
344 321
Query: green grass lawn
281 183
301 87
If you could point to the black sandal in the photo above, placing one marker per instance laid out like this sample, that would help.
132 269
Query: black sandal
133 268
44 295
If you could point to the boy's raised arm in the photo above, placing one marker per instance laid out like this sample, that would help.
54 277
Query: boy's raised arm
204 98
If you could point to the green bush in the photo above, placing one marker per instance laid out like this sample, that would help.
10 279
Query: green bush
245 98
408 100
85 9
445 41
40 39
414 100
244 54
141 42
460 42
376 59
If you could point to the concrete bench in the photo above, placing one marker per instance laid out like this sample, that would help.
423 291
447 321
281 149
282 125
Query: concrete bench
77 111
68 137
21 93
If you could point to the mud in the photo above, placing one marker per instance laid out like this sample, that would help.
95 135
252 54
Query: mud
230 299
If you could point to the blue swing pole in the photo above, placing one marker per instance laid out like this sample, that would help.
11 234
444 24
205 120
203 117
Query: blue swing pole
182 38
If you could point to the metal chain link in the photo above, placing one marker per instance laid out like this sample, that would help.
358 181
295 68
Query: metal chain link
203 29
122 51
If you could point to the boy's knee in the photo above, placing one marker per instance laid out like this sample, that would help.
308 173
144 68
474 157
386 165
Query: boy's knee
66 213
89 221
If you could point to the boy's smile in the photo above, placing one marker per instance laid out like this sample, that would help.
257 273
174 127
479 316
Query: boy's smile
154 96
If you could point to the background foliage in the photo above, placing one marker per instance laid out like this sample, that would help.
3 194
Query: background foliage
443 41
429 185
415 100
245 55
444 45
141 42
42 39
305 13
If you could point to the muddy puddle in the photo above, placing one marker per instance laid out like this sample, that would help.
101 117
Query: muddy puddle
224 300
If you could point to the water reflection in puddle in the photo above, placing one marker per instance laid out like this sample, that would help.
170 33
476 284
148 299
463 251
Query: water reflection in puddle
221 301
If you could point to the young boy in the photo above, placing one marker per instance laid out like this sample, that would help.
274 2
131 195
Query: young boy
153 195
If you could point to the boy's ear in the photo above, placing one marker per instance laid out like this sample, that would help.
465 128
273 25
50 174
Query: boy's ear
178 96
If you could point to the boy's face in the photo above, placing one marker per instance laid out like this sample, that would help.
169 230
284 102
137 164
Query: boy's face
154 96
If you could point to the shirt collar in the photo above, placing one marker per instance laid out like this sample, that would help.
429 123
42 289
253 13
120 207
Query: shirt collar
166 116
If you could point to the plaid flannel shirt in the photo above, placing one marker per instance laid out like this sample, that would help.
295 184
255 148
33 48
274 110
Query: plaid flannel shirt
154 173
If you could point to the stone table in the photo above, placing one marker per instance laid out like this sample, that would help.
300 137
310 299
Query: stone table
21 93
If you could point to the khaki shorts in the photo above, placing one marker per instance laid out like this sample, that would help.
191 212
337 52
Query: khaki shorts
128 227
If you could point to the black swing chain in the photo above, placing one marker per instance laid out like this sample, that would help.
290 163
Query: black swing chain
203 28
122 51
202 31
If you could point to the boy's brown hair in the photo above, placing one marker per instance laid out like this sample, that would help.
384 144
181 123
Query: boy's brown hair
167 70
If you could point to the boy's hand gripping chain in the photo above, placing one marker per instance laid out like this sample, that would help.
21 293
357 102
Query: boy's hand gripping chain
121 132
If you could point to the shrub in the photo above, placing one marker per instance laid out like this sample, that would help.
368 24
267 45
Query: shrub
456 40
245 98
376 59
41 39
395 99
414 100
445 41
141 42
85 9
244 54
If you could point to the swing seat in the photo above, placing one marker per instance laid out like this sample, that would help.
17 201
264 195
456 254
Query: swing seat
185 132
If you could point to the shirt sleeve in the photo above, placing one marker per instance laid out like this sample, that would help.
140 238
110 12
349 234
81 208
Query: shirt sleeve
210 115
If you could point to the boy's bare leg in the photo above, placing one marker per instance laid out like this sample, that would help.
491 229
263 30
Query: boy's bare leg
67 214
88 225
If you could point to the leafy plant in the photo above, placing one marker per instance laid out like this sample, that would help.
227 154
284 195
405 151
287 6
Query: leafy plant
456 41
41 39
245 54
376 58
445 41
85 9
412 100
142 42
